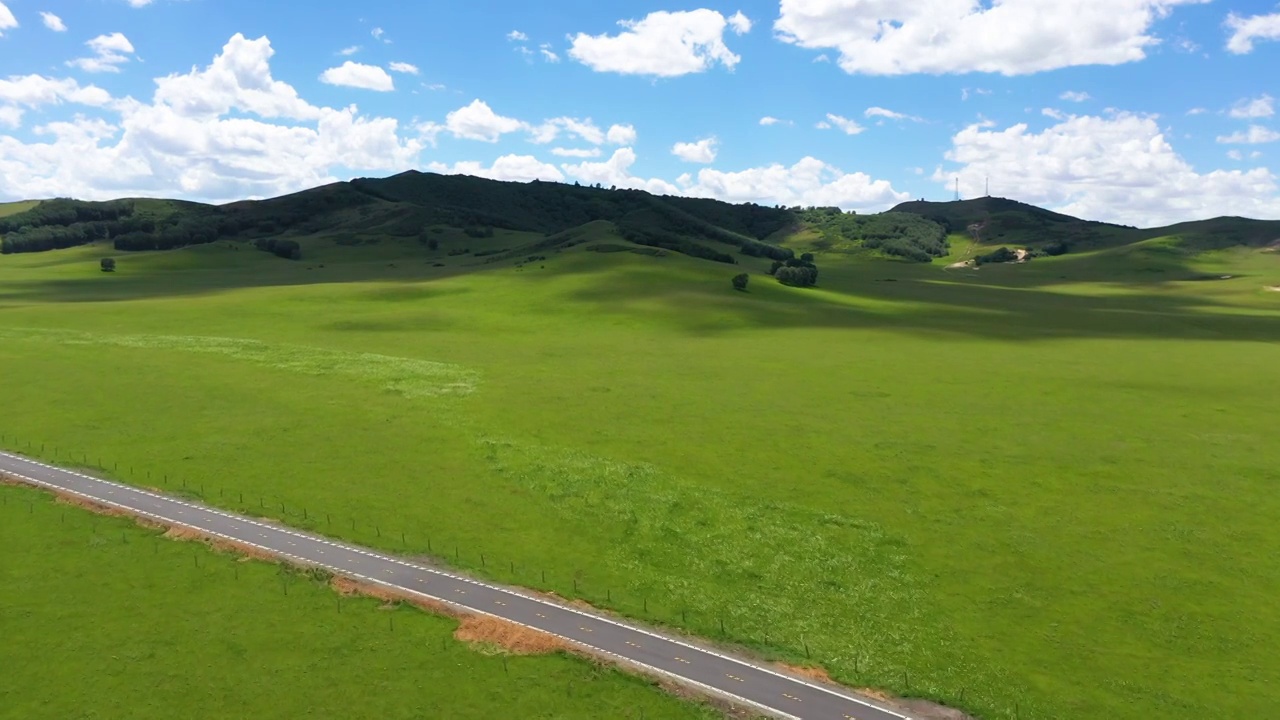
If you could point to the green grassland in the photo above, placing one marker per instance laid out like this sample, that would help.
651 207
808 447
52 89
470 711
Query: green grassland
106 619
1046 487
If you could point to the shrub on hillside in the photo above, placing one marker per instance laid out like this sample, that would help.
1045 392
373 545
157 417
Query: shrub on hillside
740 281
287 249
107 265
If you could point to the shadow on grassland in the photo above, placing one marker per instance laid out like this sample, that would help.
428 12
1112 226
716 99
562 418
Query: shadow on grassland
933 303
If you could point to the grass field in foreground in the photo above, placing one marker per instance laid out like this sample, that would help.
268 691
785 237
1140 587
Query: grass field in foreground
105 619
1047 487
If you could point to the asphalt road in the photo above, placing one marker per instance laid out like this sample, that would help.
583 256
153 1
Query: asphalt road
736 679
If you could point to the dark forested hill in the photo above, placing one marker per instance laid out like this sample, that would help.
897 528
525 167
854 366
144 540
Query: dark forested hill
412 203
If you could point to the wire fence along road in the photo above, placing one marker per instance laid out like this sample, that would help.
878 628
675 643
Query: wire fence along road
736 679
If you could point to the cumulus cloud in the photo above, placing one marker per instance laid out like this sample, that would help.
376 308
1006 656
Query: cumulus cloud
808 182
515 168
1013 37
1255 135
548 54
1074 96
621 135
517 36
34 91
739 23
1245 30
7 20
701 151
349 51
404 67
478 121
109 53
1118 168
847 126
357 75
1235 154
380 34
203 136
768 120
662 44
1259 107
53 22
616 171
10 116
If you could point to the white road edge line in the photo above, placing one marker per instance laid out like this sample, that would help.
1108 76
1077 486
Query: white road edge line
316 538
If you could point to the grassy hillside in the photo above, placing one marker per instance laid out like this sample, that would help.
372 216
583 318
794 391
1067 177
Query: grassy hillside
106 619
1012 223
1018 488
12 208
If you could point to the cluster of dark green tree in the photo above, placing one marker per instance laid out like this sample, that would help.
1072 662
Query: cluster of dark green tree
903 235
62 212
287 249
800 272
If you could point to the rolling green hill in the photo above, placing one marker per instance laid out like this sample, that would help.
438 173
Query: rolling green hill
1013 223
537 216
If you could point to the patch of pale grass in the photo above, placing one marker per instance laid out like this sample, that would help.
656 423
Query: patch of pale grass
409 377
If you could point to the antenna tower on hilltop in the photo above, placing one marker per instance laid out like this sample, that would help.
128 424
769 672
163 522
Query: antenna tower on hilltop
988 191
957 189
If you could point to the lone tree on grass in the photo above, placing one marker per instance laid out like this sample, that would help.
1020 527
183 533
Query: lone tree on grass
740 281
108 264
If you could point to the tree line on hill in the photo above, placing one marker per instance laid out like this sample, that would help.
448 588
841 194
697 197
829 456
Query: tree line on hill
898 234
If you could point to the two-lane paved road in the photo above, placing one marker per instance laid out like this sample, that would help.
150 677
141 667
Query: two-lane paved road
738 679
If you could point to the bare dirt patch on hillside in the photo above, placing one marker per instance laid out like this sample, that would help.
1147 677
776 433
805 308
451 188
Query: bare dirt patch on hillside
1273 288
492 633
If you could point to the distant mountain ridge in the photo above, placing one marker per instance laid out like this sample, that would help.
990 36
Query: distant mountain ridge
406 205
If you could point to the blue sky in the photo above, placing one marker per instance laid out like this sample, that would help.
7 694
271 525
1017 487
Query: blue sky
1135 111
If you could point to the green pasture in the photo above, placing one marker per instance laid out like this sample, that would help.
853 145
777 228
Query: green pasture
105 619
1046 489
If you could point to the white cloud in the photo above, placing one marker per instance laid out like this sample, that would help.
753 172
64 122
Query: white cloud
380 34
966 92
576 152
1118 168
197 138
1235 154
1197 111
616 171
1259 107
739 23
548 54
478 121
358 75
7 20
1012 37
701 151
37 90
621 135
1075 96
1255 154
662 44
1053 113
847 126
808 182
109 53
769 120
10 116
583 129
515 168
517 36
890 114
1244 30
139 3
403 67
53 22
349 51
1255 135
